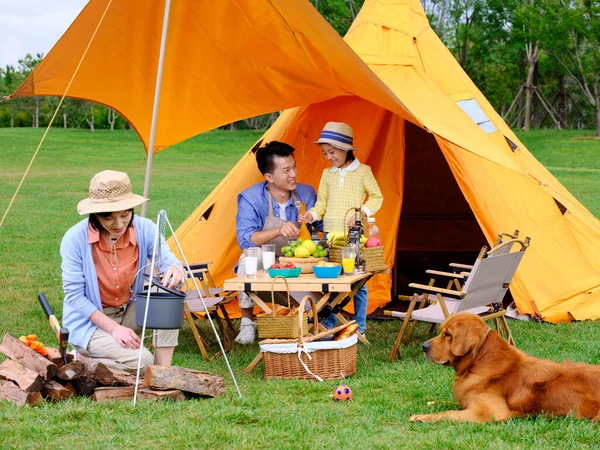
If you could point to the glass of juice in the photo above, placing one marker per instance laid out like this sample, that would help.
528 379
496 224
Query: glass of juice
348 257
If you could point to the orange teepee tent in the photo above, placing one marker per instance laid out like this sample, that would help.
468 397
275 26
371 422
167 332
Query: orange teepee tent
450 184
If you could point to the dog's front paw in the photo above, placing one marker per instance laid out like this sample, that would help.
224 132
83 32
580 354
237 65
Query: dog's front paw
418 418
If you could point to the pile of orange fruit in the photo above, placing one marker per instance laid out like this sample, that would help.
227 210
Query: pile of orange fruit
31 341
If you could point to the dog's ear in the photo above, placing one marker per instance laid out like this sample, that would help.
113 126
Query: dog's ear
465 339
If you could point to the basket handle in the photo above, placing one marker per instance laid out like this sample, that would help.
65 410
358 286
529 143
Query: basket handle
346 229
315 317
287 287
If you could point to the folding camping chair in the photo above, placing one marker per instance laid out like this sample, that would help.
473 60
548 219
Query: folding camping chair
482 292
215 299
465 268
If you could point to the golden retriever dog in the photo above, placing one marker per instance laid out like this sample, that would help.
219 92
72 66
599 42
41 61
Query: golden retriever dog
495 381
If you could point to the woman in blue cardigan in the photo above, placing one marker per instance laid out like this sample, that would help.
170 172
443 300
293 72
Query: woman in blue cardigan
101 256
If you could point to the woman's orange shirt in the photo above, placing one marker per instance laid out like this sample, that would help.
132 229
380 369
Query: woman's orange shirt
115 275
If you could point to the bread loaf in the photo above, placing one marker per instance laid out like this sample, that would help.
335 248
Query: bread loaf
346 332
282 310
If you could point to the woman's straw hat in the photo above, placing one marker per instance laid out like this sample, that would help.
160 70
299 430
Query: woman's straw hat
110 191
338 134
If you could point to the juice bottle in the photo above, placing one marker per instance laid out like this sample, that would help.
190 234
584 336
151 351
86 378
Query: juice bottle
372 228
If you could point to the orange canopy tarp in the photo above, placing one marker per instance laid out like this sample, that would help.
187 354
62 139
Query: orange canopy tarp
224 61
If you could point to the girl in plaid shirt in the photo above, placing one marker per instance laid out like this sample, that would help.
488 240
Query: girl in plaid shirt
345 185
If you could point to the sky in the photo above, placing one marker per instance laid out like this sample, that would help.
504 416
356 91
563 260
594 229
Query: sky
33 26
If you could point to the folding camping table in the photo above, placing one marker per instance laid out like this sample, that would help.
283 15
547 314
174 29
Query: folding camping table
332 293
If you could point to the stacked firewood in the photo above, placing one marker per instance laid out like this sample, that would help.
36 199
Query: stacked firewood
28 378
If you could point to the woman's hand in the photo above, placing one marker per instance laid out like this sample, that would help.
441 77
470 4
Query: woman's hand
173 277
289 230
306 218
126 337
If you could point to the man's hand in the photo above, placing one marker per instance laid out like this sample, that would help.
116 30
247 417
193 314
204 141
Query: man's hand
126 337
289 230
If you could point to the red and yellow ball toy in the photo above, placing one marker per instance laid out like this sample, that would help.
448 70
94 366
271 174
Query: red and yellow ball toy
342 393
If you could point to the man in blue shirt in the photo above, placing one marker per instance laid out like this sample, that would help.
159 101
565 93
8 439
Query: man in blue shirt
267 215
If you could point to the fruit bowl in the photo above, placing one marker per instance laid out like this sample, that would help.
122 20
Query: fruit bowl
286 273
327 271
306 264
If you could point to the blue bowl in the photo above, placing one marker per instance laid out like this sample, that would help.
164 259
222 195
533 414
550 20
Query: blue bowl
286 273
327 272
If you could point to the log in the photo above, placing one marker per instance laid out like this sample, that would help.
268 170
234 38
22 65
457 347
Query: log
55 356
9 391
56 391
26 379
174 377
69 386
84 386
18 351
107 394
152 394
106 376
70 371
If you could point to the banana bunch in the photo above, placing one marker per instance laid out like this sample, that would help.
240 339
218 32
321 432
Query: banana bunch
336 240
339 239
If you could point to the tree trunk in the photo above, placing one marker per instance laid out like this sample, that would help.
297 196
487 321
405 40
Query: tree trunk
535 101
37 113
533 53
562 102
65 120
597 96
90 121
12 119
112 118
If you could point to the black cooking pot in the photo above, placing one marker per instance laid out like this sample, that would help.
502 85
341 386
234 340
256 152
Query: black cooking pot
165 311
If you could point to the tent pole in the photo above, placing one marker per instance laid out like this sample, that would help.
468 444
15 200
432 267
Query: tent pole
159 72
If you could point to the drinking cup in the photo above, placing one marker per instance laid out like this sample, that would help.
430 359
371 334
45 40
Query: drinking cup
251 261
348 260
268 256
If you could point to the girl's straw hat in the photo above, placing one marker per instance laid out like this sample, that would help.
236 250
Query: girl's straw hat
338 134
110 191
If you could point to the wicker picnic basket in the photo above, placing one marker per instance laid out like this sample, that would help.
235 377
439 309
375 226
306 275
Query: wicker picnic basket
304 263
272 326
304 360
373 258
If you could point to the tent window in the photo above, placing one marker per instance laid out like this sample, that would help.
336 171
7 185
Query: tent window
563 208
514 147
256 146
206 214
474 111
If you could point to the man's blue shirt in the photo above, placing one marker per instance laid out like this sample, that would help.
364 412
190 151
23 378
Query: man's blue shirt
253 208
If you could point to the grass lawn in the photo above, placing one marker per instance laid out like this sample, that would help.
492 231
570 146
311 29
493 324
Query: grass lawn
276 414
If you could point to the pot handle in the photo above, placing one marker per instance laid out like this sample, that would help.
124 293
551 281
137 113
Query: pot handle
143 267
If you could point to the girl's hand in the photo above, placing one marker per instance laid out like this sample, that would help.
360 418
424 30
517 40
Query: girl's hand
306 218
289 230
126 337
173 277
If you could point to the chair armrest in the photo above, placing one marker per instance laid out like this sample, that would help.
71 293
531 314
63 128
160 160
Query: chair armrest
446 275
461 266
432 289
